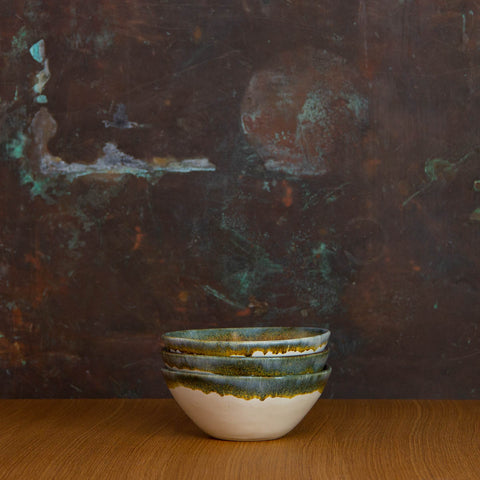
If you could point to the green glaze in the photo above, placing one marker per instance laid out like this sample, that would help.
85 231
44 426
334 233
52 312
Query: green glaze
252 366
248 387
245 341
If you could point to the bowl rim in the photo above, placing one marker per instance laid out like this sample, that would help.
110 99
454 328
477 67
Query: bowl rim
252 359
179 335
326 370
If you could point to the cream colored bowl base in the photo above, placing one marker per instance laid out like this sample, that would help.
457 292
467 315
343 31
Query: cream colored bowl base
232 418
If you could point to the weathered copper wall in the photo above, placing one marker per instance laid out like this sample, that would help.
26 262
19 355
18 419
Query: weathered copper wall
168 165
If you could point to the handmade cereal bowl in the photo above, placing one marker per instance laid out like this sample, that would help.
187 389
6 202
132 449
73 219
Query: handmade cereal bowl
264 366
248 341
245 408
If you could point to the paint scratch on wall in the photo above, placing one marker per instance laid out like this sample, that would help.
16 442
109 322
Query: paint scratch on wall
475 215
45 172
439 170
220 296
113 163
120 120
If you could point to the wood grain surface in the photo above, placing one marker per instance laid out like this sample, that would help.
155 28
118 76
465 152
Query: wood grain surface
339 439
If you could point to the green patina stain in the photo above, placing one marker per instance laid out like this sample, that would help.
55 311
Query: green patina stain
16 147
37 51
441 169
476 185
322 254
318 105
11 305
103 40
255 266
42 99
33 10
475 215
321 285
319 110
315 108
331 196
438 168
19 43
38 186
358 105
99 43
248 279
75 242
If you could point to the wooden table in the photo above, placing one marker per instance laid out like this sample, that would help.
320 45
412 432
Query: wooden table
141 439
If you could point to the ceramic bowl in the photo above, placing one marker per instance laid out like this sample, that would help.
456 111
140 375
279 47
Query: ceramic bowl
249 341
265 366
245 408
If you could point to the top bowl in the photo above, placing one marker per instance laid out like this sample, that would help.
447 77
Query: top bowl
249 341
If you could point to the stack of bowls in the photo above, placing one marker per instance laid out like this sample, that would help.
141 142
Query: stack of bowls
246 384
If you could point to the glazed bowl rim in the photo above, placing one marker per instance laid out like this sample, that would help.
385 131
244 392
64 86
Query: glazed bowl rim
316 332
326 370
251 358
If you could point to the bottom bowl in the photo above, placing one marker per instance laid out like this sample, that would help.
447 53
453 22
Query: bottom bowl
245 408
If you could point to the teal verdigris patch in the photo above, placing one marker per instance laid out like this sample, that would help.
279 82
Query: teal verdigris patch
16 146
438 168
19 44
475 215
249 388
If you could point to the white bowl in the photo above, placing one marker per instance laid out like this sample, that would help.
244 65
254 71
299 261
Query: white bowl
245 408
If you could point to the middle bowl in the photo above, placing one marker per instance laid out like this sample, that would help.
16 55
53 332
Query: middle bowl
266 366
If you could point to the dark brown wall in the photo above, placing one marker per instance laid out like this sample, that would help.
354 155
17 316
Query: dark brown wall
335 181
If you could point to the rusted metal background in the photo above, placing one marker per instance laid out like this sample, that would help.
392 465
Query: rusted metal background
168 165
